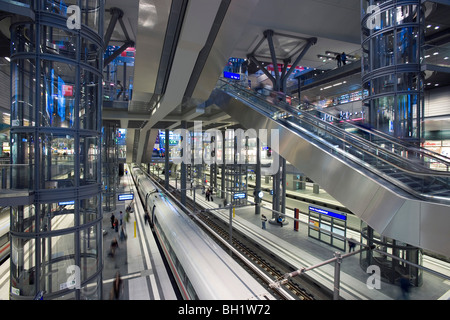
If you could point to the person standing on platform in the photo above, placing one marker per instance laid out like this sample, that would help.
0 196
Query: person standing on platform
114 245
121 217
211 194
117 287
351 245
344 58
116 224
338 59
405 287
112 220
263 221
123 235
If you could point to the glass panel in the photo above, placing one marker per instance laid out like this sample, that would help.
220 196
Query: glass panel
90 251
24 38
58 254
407 14
90 53
23 264
23 219
384 110
313 227
59 42
91 291
89 153
407 82
23 84
407 112
407 45
57 216
88 210
89 100
22 171
383 45
58 85
384 84
58 6
91 14
57 161
365 58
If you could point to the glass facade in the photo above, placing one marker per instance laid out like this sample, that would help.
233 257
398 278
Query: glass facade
392 37
56 83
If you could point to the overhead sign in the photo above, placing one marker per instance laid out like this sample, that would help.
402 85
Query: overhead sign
231 75
126 196
66 203
241 195
328 213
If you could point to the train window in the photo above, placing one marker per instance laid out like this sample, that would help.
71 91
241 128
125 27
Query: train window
190 290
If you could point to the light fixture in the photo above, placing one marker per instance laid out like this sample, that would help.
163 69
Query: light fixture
437 27
429 26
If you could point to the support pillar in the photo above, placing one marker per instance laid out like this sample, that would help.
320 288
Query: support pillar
183 172
258 200
66 184
391 54
166 160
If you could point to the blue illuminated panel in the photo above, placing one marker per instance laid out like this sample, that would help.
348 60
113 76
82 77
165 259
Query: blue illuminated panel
328 213
231 75
123 197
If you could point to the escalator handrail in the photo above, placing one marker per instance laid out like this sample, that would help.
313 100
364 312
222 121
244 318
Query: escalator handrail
295 113
401 143
394 181
438 158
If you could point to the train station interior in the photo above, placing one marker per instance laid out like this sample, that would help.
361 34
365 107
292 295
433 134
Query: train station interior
224 150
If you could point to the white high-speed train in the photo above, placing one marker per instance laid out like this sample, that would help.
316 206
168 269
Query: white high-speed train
201 268
4 234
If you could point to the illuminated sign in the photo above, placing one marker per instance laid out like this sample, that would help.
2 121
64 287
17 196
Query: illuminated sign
241 195
66 203
67 90
126 196
328 213
231 75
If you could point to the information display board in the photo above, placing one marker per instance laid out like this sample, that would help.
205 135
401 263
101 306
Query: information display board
328 226
126 196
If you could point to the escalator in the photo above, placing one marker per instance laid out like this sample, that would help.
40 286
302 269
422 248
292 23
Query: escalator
401 191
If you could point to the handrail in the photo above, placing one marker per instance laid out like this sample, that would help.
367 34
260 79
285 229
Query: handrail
295 112
398 142
392 159
391 139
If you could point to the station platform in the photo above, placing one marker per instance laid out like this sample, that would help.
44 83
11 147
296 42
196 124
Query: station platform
137 259
299 250
144 275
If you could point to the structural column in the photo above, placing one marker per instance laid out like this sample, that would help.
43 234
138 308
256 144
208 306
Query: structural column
392 39
56 86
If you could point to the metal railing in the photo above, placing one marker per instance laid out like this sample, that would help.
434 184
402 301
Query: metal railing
410 173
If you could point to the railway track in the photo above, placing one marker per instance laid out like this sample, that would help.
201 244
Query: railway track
266 264
268 267
273 268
